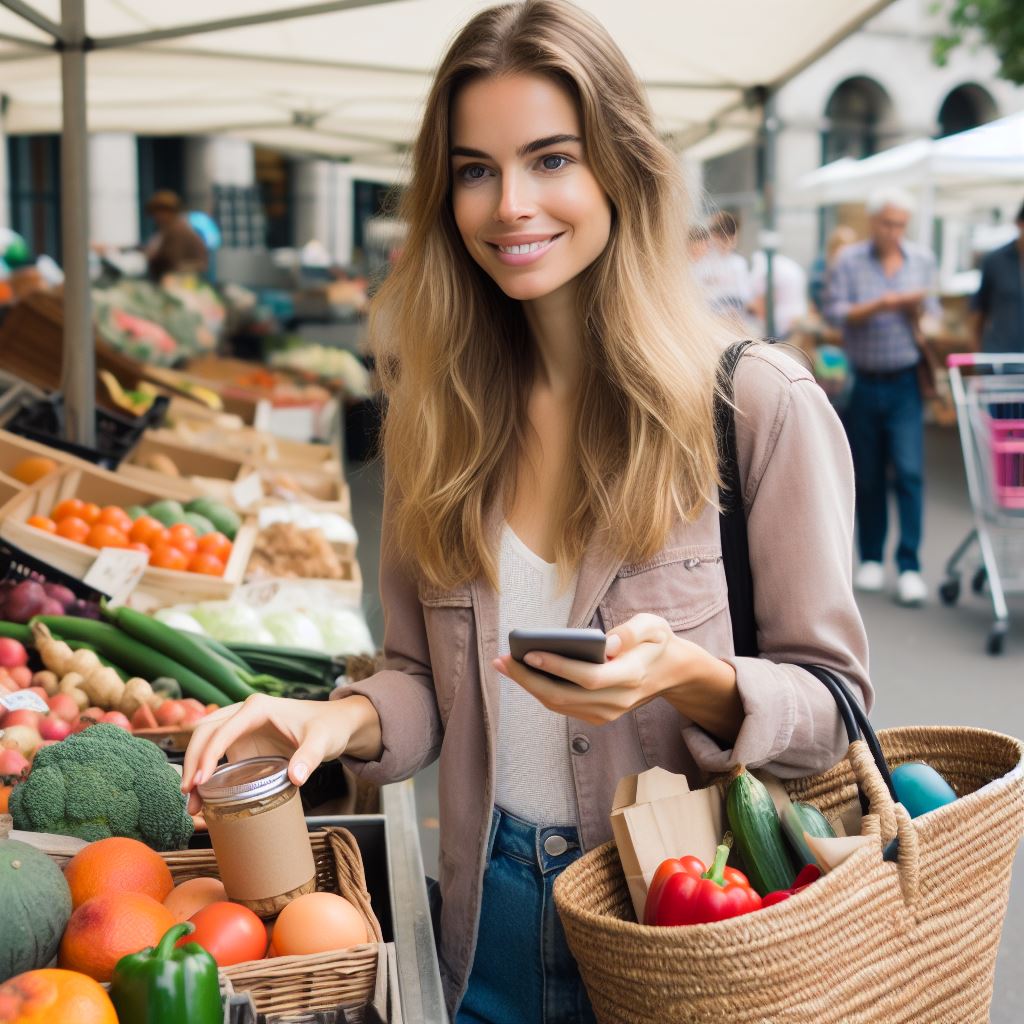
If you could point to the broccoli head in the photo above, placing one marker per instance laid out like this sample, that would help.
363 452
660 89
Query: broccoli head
104 782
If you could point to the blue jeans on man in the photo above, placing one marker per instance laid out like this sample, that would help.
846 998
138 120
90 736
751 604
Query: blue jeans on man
885 426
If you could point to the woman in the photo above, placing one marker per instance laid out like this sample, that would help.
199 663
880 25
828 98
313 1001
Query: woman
551 461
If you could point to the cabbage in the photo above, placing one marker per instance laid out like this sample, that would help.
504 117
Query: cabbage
293 629
230 622
180 620
344 631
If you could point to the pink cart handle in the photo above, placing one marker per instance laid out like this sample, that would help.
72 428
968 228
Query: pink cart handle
960 359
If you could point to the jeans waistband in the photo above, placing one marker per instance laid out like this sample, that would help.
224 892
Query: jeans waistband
548 848
886 374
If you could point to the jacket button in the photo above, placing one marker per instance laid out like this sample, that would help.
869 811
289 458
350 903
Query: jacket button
580 744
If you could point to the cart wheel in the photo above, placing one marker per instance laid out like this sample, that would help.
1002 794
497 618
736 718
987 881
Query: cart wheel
995 641
949 591
979 580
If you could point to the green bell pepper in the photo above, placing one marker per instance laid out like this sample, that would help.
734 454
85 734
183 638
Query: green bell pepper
169 984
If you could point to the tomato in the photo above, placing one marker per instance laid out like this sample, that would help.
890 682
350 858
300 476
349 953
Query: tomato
42 523
68 507
90 512
166 556
73 528
183 537
208 565
114 515
215 544
147 530
137 545
103 536
230 933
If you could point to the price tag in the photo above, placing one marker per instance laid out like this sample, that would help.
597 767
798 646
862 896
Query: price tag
116 572
22 700
247 491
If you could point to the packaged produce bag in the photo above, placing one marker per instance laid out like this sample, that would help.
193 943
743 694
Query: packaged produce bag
655 815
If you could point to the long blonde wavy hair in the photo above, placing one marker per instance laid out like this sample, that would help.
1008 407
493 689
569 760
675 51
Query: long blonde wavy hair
456 357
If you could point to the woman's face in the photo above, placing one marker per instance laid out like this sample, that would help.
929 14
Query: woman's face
529 209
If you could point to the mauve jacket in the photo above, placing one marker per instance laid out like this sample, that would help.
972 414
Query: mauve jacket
438 694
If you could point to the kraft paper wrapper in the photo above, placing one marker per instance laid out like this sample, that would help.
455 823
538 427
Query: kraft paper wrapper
264 855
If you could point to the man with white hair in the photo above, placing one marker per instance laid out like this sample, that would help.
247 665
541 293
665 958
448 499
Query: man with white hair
876 294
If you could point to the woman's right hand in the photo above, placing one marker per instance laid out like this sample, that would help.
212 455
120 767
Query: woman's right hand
306 732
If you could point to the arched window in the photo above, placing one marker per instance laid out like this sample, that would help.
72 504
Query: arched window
967 106
857 120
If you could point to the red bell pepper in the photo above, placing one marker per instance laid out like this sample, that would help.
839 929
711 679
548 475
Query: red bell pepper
684 892
808 874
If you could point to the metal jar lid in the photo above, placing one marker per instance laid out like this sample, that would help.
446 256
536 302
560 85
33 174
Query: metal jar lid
253 779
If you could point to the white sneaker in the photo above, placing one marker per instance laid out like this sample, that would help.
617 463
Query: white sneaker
870 576
911 589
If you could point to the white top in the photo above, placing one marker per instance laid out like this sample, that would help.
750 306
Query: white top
790 287
534 764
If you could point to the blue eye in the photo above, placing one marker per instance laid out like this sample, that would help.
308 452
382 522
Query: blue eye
472 172
559 162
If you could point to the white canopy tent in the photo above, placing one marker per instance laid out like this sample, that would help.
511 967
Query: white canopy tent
345 78
973 169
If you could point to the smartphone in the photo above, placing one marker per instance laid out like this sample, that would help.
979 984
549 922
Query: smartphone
581 644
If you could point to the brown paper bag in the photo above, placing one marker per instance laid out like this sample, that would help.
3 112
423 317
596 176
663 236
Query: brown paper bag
655 816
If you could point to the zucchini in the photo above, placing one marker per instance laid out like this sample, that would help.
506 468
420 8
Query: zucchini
757 833
798 818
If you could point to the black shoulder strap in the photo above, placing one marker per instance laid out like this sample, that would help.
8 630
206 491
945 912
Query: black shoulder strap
733 520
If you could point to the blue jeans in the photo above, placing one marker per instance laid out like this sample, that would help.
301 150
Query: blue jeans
885 425
523 972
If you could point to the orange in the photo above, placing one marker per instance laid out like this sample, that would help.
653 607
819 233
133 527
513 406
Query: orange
114 515
73 528
34 468
106 928
117 865
208 565
42 523
146 530
183 537
68 507
137 545
103 536
48 996
165 556
90 512
215 544
5 798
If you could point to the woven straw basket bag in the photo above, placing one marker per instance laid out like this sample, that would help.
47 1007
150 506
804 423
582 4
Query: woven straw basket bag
874 942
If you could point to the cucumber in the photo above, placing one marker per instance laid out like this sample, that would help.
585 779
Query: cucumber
798 818
758 834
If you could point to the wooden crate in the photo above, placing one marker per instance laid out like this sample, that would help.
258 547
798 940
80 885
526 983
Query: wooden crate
158 587
194 464
14 448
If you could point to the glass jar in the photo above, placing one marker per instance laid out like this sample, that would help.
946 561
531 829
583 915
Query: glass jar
259 834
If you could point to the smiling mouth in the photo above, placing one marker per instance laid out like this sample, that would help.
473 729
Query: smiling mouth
525 248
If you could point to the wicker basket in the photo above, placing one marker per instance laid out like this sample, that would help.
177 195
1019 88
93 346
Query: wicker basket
873 942
297 984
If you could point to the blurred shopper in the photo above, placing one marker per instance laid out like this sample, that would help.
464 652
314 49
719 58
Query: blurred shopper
877 292
552 460
997 317
842 236
176 248
722 271
789 287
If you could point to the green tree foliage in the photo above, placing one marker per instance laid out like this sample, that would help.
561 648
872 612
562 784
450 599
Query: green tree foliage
998 23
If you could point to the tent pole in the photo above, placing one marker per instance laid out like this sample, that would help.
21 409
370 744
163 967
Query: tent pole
79 373
769 236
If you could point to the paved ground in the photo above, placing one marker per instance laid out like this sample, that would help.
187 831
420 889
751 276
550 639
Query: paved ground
928 666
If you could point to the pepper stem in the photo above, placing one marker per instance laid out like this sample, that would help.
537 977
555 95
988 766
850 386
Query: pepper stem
716 873
170 939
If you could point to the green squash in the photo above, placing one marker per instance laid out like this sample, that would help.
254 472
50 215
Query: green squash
35 905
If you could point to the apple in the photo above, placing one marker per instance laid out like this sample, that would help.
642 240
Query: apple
118 719
53 727
63 705
12 653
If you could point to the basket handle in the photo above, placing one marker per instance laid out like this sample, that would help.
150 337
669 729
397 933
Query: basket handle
348 864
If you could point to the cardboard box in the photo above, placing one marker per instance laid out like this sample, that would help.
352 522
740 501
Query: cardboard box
656 816
158 587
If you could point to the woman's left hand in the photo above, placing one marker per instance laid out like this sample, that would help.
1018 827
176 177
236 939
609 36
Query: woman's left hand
644 659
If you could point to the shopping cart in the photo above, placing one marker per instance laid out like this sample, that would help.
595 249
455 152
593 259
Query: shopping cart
989 394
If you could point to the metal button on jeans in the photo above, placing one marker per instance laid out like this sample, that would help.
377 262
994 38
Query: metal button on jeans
555 846
580 744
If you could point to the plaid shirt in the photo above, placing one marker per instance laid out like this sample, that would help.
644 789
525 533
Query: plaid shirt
884 342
